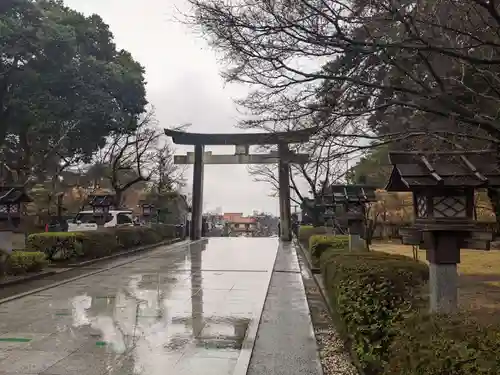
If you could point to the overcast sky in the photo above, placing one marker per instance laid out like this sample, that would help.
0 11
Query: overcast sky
184 86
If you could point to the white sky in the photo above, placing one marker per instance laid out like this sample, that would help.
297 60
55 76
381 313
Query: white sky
184 87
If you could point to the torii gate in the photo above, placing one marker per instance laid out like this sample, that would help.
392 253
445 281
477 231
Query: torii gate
242 143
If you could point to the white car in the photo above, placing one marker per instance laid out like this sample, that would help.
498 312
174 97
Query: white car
86 220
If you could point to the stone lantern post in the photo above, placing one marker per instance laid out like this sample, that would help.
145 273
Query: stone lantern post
443 186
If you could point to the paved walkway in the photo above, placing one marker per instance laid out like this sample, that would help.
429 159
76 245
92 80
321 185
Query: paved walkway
178 310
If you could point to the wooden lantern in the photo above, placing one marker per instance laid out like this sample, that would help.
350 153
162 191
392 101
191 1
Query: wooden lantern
101 204
11 201
351 202
147 209
11 212
443 185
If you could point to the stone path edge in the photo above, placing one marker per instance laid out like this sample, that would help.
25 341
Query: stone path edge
69 267
324 294
243 362
37 290
32 277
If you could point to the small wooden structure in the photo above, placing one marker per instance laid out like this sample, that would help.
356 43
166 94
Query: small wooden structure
12 234
101 205
443 185
148 211
351 203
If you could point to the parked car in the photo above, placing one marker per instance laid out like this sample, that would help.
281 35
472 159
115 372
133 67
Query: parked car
86 220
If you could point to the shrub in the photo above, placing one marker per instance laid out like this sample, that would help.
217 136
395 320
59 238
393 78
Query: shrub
166 231
56 245
63 246
129 237
306 231
433 345
20 262
319 243
370 293
98 243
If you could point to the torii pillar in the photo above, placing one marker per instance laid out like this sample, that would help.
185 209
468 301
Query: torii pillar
284 192
242 142
195 230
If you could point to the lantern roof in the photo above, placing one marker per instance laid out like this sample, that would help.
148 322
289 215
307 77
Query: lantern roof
416 170
13 194
355 193
101 200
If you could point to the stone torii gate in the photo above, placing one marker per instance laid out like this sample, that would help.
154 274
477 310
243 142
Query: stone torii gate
242 142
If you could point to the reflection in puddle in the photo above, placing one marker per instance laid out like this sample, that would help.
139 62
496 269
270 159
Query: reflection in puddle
150 320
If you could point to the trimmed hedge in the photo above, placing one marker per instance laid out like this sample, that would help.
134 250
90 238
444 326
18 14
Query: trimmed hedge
64 246
463 344
371 292
306 231
21 262
319 243
56 245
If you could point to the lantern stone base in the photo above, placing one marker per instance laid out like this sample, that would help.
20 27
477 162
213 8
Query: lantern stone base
356 243
443 283
6 240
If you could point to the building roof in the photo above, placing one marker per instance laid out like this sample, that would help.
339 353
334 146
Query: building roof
243 220
101 200
185 138
452 169
353 193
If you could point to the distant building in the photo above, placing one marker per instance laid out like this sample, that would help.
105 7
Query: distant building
238 224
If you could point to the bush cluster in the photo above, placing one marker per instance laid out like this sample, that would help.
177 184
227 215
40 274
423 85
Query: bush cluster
463 344
20 262
306 231
381 307
319 243
371 292
64 246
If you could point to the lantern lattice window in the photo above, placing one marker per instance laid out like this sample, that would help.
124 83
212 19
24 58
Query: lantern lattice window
451 206
4 208
14 208
421 206
355 208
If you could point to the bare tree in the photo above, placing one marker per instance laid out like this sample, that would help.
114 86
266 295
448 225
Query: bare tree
166 176
126 159
327 165
390 57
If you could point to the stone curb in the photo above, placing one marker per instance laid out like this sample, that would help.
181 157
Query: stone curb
321 287
37 290
316 278
246 351
306 255
29 277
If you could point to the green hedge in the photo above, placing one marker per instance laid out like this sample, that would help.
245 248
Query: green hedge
64 246
306 231
20 262
56 245
319 243
463 344
371 292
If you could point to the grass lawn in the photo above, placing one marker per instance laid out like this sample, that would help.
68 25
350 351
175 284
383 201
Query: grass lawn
479 275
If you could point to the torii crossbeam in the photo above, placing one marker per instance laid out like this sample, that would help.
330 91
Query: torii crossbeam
242 142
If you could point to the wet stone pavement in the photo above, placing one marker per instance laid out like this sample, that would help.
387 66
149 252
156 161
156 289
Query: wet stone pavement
191 309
